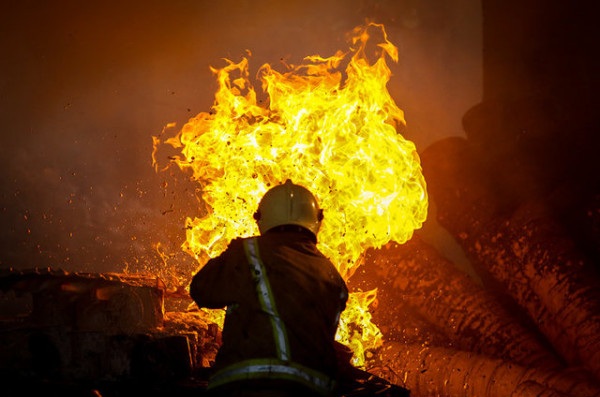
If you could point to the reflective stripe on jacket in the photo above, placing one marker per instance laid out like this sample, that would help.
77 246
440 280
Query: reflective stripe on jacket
273 369
266 298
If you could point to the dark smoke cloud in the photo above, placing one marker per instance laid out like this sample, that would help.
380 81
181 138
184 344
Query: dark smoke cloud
85 85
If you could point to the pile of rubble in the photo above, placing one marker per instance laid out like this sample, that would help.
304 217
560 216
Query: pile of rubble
78 333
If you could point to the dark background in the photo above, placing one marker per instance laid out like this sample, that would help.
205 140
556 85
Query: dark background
85 85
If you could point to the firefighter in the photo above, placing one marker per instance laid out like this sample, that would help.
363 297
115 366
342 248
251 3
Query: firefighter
283 299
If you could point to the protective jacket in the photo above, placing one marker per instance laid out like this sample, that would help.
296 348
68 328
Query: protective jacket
283 299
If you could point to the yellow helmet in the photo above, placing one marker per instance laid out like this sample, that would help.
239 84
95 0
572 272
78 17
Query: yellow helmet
288 204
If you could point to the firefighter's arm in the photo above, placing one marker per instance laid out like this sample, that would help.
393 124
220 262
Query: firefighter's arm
209 287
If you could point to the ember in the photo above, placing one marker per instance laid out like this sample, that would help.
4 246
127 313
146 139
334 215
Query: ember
333 131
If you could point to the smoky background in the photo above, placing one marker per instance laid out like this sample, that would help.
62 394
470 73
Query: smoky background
84 86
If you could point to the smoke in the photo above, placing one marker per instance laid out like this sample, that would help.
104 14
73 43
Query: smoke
85 85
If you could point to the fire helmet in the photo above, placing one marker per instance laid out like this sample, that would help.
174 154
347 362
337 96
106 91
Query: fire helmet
288 204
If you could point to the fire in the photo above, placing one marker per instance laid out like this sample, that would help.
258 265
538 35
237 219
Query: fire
330 129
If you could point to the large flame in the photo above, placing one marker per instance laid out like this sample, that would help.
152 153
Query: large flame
330 130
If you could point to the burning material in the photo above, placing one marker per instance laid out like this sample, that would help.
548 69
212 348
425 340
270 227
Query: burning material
330 129
471 316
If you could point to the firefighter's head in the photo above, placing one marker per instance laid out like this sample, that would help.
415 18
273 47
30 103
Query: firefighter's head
289 204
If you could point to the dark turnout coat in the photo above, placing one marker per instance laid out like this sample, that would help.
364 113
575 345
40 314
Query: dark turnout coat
283 299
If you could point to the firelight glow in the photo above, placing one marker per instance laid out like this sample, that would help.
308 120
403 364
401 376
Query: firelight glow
329 129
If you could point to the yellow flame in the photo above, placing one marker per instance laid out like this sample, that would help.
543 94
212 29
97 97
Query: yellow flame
356 329
329 130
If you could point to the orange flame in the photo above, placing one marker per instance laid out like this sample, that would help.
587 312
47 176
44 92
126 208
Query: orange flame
330 131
